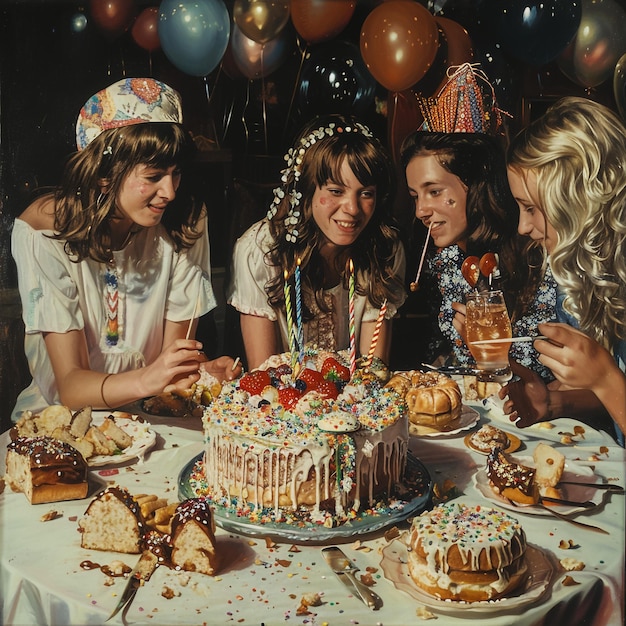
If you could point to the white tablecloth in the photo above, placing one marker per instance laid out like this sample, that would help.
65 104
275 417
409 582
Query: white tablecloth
42 581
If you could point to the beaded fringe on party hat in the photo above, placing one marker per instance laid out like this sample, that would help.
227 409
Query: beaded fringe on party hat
128 101
291 174
465 104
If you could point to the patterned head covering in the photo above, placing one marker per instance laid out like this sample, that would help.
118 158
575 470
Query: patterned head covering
465 104
128 101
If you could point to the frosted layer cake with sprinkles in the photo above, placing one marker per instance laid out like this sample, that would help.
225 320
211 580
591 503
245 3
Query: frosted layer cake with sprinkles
467 553
305 436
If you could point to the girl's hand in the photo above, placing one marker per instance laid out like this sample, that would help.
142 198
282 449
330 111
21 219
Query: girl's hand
459 319
528 397
176 368
577 361
223 368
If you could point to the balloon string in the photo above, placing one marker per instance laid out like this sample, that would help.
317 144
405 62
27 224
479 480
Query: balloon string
122 61
217 77
263 98
295 86
393 125
212 130
150 62
243 115
227 117
207 90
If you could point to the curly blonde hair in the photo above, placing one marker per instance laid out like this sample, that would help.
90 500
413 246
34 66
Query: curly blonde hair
577 151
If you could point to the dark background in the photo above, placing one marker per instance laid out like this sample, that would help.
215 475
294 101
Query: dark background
48 70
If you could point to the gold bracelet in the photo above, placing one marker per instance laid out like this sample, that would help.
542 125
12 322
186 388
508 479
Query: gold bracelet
106 404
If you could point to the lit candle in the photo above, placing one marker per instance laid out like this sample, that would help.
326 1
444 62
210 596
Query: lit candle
352 329
379 323
299 325
288 311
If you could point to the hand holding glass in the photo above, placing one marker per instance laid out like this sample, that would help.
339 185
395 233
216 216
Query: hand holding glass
487 318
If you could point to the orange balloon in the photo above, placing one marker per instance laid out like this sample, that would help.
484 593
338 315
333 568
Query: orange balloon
399 41
405 116
455 48
112 16
460 47
145 29
320 20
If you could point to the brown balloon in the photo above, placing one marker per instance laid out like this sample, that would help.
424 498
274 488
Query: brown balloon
261 20
405 116
145 29
113 17
399 41
320 20
460 47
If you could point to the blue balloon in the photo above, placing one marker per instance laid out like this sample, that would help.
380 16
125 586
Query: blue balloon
194 34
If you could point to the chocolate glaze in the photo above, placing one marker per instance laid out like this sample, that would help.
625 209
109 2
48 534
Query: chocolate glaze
197 509
504 473
51 461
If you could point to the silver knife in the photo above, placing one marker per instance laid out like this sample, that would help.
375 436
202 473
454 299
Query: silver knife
141 573
345 570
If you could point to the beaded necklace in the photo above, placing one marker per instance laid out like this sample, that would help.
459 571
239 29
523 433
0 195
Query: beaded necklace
112 299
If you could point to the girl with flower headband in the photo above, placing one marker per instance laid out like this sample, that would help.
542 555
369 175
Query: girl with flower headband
332 208
567 171
113 265
458 184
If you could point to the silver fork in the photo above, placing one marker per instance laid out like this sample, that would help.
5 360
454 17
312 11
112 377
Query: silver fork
564 518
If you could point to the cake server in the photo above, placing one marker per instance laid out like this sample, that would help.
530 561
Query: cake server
141 573
345 570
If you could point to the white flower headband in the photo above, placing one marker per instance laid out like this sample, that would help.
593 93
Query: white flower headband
291 174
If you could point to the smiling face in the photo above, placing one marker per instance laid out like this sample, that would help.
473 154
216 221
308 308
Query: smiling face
343 209
145 194
532 219
440 200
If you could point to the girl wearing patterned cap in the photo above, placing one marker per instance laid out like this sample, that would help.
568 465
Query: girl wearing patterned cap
114 263
456 177
332 208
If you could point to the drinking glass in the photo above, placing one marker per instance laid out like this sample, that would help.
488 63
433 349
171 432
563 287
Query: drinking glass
487 318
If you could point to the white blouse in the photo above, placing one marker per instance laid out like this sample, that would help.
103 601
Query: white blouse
246 293
122 306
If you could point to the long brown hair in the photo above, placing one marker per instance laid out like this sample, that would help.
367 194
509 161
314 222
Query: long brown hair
373 251
83 213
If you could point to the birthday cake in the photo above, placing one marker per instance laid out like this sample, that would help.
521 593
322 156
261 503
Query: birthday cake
326 440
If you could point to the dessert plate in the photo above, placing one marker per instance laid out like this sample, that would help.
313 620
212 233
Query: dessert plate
540 575
143 436
417 496
572 472
514 443
469 417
